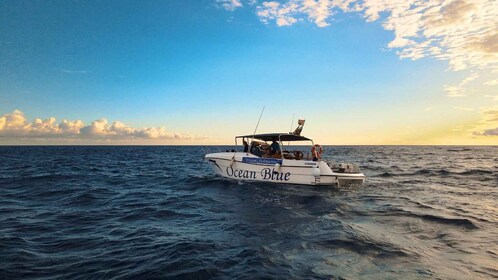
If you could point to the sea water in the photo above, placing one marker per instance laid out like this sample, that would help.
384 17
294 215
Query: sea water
69 212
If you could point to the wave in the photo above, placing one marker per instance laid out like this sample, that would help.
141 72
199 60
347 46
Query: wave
459 150
453 221
160 212
437 172
475 172
461 222
364 247
386 175
396 211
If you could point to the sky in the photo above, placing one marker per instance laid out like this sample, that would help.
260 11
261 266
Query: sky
199 72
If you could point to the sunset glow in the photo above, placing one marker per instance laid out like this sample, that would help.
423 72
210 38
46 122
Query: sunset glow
194 73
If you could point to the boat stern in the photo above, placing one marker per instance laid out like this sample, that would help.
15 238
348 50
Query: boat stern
347 173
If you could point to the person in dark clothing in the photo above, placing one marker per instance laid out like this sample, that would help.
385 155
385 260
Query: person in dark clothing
246 146
274 148
256 149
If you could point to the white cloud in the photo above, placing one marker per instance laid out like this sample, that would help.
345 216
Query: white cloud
16 125
229 5
494 97
288 13
13 121
282 14
455 91
469 79
463 108
491 83
69 71
464 33
462 88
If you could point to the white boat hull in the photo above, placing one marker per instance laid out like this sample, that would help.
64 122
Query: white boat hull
248 167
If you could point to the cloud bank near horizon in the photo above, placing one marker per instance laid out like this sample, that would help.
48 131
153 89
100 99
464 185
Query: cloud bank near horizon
488 125
462 32
16 125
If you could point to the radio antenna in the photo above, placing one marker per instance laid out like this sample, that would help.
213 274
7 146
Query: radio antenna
292 122
258 122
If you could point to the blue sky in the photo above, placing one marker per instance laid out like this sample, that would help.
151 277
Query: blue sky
191 65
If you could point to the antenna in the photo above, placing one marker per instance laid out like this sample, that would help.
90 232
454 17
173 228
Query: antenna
258 123
292 122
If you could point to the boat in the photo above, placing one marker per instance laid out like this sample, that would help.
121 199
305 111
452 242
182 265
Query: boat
282 161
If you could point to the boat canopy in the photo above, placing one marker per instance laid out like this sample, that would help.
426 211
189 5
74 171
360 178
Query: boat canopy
281 136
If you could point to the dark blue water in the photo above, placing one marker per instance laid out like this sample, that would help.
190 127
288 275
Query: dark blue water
159 212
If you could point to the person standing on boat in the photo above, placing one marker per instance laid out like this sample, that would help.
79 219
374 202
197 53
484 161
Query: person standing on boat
274 148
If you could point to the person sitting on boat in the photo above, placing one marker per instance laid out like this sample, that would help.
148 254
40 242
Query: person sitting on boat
274 148
256 149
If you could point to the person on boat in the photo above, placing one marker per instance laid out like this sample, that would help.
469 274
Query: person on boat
274 148
316 152
246 146
256 149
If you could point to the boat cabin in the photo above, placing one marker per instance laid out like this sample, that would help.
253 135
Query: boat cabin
275 145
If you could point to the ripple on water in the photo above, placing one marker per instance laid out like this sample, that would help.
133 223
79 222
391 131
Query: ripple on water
159 212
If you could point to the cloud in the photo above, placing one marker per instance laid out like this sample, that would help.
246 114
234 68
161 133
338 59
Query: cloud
487 132
288 13
229 5
464 33
282 14
469 79
16 125
488 125
491 83
68 71
455 91
494 97
489 114
461 89
463 108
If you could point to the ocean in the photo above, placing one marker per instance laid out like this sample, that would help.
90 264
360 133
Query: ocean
159 212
